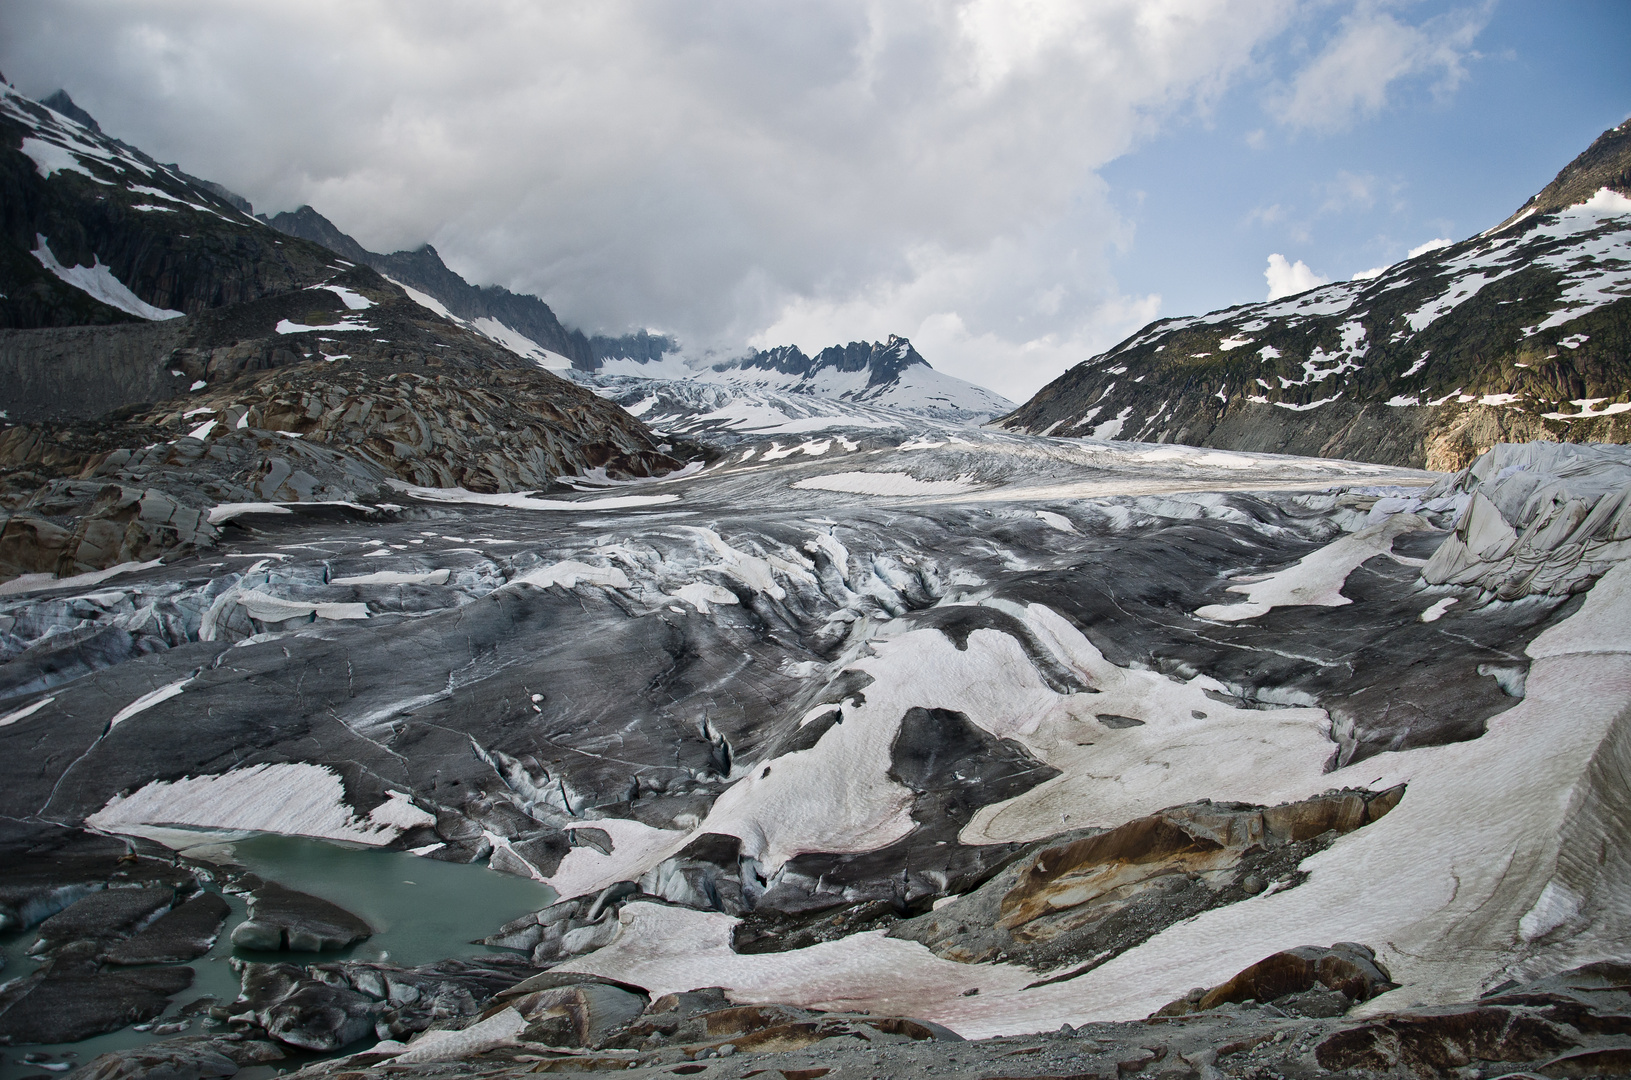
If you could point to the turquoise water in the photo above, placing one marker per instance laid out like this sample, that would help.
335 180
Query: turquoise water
421 910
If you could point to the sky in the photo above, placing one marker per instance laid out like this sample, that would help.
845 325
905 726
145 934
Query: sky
1015 185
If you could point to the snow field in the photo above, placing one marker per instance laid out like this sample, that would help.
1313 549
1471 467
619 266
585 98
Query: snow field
293 799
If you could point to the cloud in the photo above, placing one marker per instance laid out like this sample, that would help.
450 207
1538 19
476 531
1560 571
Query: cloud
1349 191
1287 278
716 170
1266 215
1368 56
1431 245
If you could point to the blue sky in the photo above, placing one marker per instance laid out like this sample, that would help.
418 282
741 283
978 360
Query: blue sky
1213 195
1013 184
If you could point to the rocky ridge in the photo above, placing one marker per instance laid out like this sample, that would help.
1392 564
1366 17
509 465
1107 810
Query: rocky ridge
1517 334
518 321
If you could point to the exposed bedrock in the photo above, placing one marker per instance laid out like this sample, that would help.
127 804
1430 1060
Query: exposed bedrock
1069 905
81 497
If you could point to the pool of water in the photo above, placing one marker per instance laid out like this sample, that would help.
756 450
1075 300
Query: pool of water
421 910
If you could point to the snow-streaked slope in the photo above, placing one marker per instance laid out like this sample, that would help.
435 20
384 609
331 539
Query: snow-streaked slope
1527 319
509 337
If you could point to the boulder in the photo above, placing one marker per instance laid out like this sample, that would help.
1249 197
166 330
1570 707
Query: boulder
298 1010
1311 980
583 1015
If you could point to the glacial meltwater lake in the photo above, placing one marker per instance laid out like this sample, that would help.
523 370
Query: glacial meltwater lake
422 910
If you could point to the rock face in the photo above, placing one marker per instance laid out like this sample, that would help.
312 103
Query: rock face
1307 981
1514 335
147 241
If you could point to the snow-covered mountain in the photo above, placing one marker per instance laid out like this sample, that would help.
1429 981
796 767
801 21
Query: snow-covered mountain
863 384
1518 333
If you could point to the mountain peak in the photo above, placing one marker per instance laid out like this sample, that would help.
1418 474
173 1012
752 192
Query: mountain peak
62 103
1605 163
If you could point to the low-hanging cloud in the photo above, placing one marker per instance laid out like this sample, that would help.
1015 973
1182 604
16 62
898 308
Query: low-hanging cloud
1288 278
730 173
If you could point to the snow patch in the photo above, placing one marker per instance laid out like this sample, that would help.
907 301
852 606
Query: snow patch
148 700
886 483
25 712
1317 578
286 326
353 300
98 282
396 577
520 501
569 574
293 799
